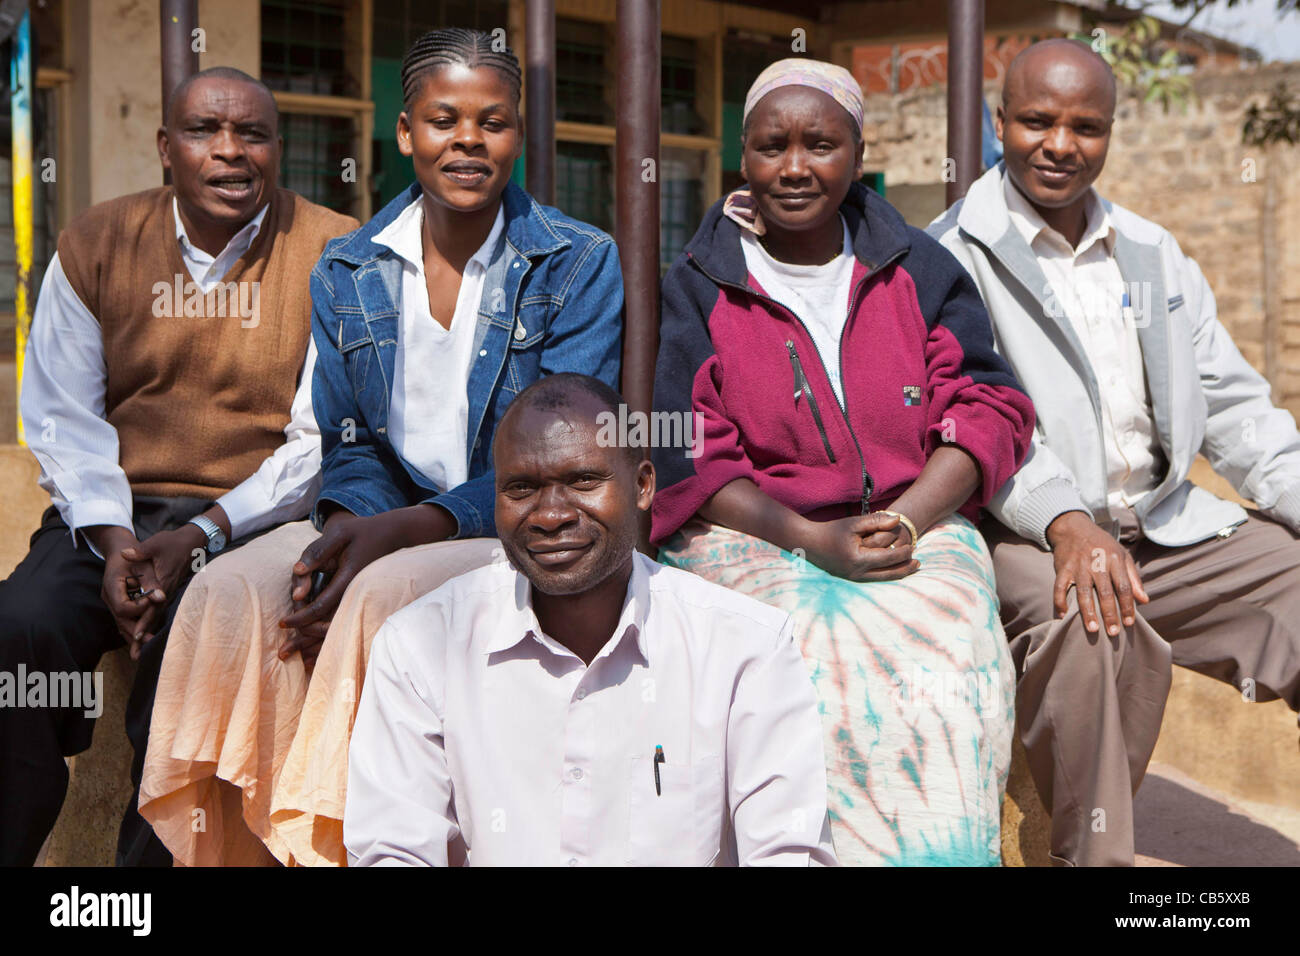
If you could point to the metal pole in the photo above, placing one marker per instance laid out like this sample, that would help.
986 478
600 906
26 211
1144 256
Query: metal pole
178 19
637 193
965 92
20 85
539 55
636 156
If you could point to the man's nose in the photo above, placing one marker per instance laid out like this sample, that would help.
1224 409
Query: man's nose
1059 141
554 510
227 144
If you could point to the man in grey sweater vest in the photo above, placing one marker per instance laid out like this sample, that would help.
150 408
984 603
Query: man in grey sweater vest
1110 563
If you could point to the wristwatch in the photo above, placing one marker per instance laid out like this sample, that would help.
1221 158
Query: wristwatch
216 537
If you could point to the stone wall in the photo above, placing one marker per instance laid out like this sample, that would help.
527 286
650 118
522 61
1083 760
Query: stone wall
1183 169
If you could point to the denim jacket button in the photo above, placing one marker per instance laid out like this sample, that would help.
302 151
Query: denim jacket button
520 333
482 352
515 264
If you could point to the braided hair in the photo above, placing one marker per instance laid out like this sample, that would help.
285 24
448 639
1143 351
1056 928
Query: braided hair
456 46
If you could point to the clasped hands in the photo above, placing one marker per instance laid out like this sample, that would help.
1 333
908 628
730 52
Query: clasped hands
870 547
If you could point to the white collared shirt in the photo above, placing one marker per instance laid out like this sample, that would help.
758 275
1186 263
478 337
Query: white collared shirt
63 400
481 739
1087 286
431 369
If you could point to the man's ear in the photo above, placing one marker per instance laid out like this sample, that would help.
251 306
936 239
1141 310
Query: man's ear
645 485
998 119
162 148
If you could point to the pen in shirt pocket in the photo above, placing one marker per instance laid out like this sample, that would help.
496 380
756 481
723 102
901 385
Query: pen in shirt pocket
659 758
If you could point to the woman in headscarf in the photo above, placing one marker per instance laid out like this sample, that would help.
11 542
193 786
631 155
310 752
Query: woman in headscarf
850 417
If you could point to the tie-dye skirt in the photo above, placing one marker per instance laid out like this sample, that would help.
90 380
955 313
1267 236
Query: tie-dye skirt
915 686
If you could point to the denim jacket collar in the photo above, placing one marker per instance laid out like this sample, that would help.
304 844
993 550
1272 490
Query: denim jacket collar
528 229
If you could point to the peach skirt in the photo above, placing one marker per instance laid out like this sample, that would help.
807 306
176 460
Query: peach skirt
248 753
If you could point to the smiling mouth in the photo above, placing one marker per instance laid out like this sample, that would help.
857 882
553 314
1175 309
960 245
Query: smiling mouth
466 174
795 199
232 187
1054 175
556 555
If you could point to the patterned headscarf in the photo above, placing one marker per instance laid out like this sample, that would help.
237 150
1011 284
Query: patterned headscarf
835 81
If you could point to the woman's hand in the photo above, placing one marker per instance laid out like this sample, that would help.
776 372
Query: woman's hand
348 545
861 548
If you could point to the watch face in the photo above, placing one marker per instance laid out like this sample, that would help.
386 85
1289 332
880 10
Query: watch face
218 542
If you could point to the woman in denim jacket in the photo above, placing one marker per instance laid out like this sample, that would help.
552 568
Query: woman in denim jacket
427 321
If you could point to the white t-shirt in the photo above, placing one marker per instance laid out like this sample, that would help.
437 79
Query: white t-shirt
819 295
431 370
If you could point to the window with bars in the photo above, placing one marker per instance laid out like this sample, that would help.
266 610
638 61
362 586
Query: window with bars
399 23
309 59
678 63
581 77
584 182
303 47
314 150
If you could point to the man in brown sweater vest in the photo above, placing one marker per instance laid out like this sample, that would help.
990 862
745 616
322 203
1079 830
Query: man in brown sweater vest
166 395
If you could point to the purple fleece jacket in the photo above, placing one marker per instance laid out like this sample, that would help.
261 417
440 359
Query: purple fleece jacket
917 364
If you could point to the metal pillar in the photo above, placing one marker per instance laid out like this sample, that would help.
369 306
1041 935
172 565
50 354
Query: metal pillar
637 193
965 92
20 86
539 113
178 19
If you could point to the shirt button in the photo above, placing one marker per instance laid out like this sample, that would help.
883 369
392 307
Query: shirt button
581 693
573 861
576 773
520 333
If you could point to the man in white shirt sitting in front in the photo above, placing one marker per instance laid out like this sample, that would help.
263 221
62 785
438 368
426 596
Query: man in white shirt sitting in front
581 704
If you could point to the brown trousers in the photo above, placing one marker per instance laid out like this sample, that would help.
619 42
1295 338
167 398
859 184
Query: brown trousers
1089 706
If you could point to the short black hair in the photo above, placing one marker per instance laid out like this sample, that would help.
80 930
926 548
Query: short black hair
559 391
219 73
456 46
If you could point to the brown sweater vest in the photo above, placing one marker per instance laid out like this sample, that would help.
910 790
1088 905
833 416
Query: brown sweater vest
199 387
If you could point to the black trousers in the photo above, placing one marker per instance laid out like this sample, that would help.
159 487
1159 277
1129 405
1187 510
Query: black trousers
53 620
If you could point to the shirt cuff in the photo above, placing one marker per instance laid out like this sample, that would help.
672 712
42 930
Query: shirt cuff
245 508
1287 509
85 514
1043 505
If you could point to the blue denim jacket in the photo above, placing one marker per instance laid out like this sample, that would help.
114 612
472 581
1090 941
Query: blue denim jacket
552 302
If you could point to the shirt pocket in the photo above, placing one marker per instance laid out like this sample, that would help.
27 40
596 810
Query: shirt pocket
357 356
682 824
524 364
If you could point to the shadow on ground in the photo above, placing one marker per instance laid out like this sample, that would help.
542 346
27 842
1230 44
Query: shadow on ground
1180 824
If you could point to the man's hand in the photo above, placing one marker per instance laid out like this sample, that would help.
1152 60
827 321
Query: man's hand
348 545
161 563
862 548
1088 558
111 541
